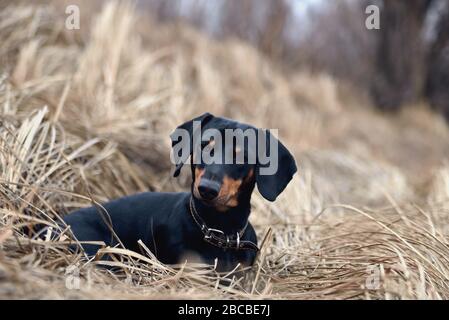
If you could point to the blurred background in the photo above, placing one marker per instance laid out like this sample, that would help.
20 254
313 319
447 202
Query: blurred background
406 61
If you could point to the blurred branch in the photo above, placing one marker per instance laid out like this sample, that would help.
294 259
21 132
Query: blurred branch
438 65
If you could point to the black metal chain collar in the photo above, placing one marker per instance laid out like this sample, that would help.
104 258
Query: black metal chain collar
218 238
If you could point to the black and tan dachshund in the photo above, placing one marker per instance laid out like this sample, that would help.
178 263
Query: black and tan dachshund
210 222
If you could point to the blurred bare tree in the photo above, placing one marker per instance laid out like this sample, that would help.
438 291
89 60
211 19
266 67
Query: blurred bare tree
400 55
404 62
338 43
262 22
437 82
410 67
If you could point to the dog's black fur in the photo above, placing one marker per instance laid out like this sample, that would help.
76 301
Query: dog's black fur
163 220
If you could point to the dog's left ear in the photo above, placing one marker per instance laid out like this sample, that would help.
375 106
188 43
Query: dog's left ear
270 186
178 140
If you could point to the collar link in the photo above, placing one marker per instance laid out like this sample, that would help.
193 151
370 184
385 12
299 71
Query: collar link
217 237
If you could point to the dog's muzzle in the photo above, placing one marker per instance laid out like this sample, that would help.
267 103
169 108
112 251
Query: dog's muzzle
208 189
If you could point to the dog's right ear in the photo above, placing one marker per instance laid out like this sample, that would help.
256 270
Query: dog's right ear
182 140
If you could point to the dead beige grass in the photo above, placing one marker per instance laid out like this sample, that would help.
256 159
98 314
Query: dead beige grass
86 118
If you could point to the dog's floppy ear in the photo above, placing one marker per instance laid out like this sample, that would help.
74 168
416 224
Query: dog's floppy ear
271 185
176 139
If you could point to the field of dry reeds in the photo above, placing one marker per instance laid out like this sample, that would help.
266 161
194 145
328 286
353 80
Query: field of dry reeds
85 116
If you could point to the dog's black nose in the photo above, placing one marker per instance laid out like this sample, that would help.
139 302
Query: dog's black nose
208 189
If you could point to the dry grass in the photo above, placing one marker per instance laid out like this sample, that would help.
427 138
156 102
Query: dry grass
85 117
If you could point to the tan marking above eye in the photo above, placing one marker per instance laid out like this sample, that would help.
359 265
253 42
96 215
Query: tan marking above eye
198 174
250 175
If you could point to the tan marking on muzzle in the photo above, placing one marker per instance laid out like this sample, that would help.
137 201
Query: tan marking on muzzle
198 174
229 190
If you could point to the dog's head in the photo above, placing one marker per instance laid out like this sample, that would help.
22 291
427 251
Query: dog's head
228 158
